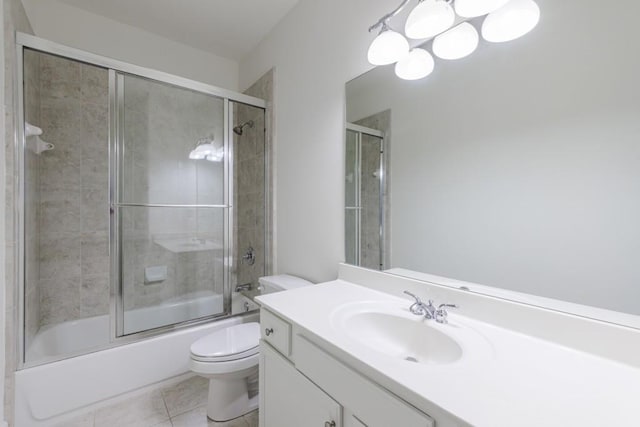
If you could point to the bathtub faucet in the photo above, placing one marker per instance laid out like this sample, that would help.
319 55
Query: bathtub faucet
245 287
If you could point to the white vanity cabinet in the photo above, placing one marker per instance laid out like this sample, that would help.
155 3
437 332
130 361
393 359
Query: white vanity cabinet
312 388
289 399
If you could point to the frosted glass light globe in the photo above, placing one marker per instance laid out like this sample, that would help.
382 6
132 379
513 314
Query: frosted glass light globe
473 8
513 20
428 18
416 65
388 47
456 43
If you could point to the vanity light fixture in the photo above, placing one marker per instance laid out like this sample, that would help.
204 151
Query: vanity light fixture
506 20
389 47
513 20
473 8
416 65
457 42
429 18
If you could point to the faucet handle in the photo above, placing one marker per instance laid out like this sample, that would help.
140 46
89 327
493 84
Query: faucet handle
447 305
418 307
414 296
441 313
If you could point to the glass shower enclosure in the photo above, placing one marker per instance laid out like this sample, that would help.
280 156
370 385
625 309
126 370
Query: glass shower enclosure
129 216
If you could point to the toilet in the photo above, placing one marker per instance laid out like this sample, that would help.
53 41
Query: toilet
229 357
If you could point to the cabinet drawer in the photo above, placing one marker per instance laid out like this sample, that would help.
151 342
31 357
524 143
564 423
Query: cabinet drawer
356 392
276 332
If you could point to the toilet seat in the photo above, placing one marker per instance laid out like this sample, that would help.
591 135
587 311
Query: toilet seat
229 368
228 357
233 343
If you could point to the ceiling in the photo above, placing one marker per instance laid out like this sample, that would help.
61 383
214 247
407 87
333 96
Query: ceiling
228 28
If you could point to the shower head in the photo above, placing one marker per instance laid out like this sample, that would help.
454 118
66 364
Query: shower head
238 130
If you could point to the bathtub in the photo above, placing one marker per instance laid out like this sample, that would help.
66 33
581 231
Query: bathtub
47 394
81 336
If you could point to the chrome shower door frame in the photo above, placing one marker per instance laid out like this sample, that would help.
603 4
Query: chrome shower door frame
116 71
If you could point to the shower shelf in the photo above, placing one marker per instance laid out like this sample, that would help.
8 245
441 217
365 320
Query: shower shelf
34 143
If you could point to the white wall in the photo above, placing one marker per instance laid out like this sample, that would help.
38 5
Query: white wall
321 45
77 28
517 167
315 50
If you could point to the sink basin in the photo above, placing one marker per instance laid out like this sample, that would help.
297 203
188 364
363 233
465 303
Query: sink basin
389 329
413 340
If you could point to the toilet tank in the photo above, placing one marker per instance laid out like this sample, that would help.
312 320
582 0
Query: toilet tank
281 282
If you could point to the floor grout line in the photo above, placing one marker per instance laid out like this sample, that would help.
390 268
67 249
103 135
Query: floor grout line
166 407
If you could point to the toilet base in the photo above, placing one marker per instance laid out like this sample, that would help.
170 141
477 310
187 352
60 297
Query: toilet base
229 399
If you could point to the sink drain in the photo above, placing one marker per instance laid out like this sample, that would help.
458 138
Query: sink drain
411 359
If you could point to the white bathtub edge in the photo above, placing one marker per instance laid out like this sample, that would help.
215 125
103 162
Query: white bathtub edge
46 394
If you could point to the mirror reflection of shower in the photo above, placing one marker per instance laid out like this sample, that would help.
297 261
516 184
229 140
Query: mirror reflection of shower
239 130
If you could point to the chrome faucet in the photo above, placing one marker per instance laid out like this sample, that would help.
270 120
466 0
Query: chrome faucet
421 309
244 287
428 310
442 314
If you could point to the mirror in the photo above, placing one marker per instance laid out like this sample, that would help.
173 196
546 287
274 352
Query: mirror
516 169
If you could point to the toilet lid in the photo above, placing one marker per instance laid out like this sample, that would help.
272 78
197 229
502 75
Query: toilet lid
241 340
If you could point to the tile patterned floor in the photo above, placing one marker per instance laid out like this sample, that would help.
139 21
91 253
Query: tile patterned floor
181 405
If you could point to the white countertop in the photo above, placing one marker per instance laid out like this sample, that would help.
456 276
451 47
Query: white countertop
521 381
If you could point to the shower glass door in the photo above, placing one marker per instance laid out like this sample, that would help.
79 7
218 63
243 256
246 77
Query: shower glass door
141 201
65 177
170 210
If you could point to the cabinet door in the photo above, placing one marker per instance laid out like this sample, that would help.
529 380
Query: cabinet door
289 399
352 421
368 402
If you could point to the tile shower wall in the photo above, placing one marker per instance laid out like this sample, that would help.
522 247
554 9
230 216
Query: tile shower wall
370 244
251 151
71 217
